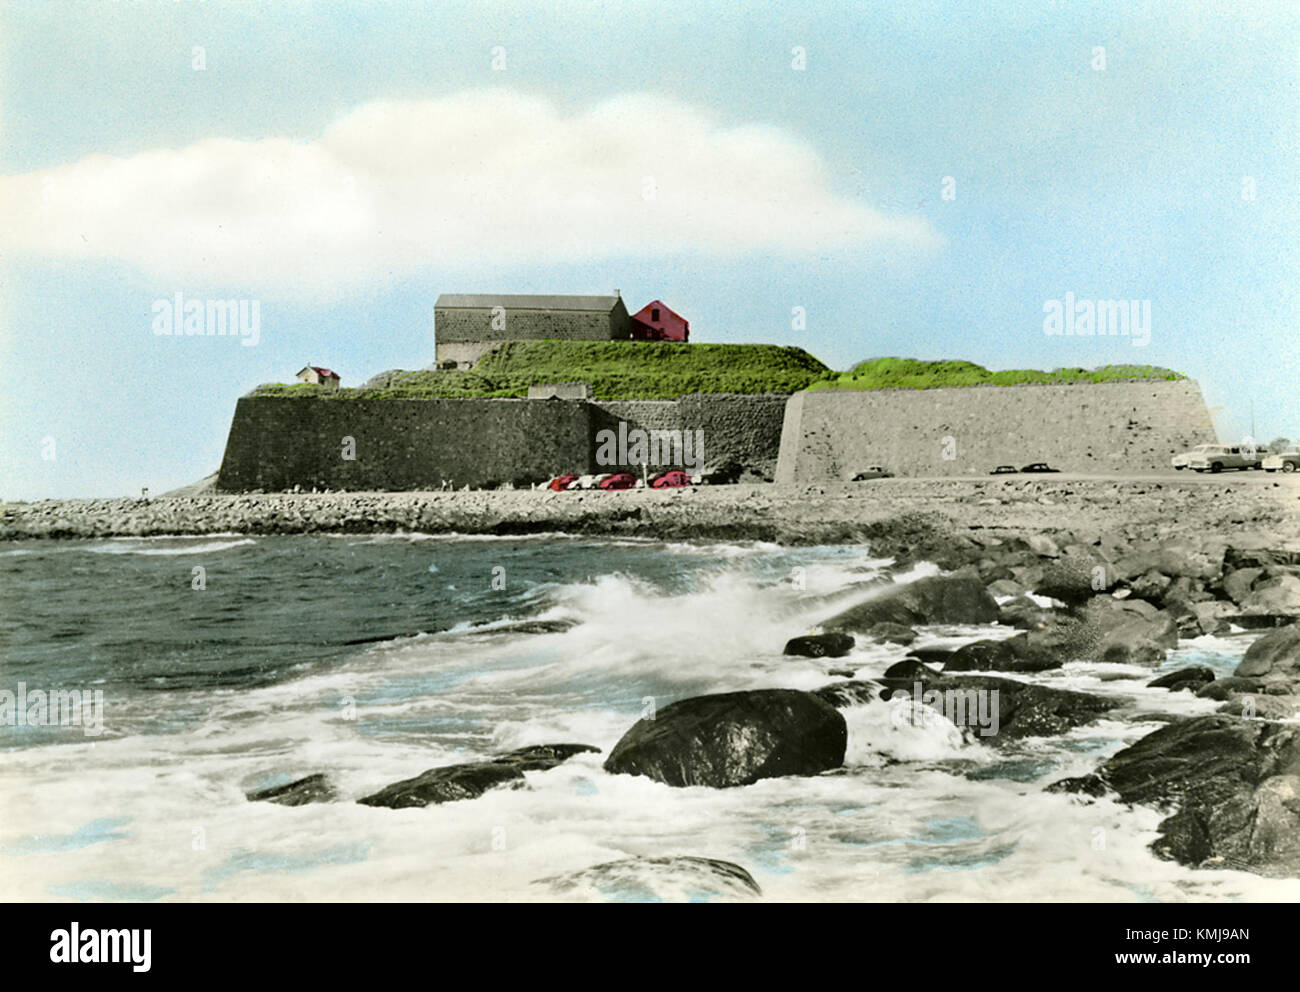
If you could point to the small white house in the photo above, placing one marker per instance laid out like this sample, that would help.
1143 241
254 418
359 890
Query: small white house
319 377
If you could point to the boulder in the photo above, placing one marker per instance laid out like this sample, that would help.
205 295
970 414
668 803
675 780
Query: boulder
1278 595
910 668
1228 783
851 693
1023 709
932 600
1168 560
891 633
832 645
1190 679
1126 632
1237 584
1072 580
1275 657
469 781
1025 652
1025 614
1221 689
733 738
1043 546
312 789
1259 707
672 879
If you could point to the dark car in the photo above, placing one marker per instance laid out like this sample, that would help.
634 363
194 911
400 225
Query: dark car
872 472
1039 467
1004 470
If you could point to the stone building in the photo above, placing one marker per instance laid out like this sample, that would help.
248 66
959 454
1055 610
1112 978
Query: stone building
465 326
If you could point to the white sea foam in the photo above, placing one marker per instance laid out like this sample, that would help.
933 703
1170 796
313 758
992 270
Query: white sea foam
920 812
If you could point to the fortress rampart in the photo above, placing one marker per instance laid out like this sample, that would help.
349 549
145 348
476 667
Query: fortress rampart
278 442
1110 427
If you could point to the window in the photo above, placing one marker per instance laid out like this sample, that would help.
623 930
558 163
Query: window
654 314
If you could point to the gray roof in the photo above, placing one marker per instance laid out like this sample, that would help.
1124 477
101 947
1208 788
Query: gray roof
464 301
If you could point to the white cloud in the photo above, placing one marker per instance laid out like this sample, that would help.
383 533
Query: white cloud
483 179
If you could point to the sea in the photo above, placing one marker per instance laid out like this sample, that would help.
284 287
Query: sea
231 663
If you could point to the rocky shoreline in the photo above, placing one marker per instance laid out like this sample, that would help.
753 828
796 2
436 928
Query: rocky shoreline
895 511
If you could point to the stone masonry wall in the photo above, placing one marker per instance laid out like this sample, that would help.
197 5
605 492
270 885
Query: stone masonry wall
276 443
1096 428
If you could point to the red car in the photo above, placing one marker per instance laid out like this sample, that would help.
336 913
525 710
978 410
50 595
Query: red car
563 482
618 480
674 479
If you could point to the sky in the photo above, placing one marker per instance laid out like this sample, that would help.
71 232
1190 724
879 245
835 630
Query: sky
916 179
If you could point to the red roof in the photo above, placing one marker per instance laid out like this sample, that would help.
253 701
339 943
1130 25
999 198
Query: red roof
324 372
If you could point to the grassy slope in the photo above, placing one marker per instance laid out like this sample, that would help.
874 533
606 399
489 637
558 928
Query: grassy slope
662 370
615 369
911 373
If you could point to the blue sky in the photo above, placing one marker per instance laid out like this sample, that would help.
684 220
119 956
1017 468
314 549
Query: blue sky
344 163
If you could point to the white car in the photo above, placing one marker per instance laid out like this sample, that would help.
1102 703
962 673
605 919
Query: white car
1180 461
1283 461
1217 457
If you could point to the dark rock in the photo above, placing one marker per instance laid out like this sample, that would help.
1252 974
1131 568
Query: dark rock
909 668
1222 688
312 789
1021 653
1023 709
657 879
469 781
1024 614
936 599
832 645
1191 678
733 738
930 656
852 693
1230 785
892 633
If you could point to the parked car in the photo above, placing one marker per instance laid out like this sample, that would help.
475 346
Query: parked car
872 472
1039 467
1005 470
1282 461
1217 457
1181 461
617 480
672 479
563 482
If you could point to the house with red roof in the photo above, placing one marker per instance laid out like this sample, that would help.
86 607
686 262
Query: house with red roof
319 377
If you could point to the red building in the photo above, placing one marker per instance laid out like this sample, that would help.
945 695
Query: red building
655 322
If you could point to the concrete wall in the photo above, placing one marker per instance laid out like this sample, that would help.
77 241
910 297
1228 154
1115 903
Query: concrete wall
276 443
1083 427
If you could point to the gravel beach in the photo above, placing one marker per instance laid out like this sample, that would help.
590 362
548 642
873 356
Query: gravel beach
1249 508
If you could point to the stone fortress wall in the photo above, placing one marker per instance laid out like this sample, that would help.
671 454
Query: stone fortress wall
277 443
1093 428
